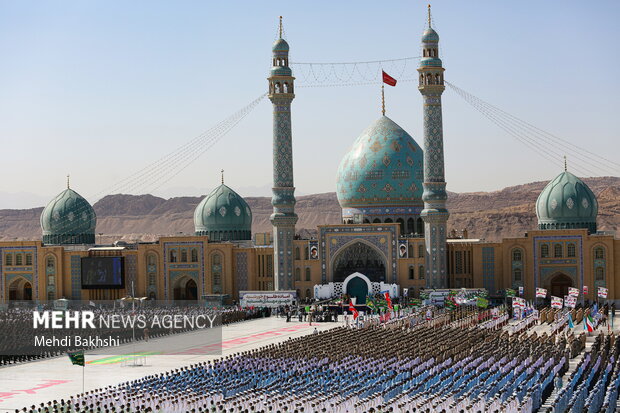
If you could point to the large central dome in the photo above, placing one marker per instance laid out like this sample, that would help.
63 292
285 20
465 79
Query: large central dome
382 169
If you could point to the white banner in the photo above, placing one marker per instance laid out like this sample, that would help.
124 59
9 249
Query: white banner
541 293
602 292
573 292
556 302
571 301
518 302
267 299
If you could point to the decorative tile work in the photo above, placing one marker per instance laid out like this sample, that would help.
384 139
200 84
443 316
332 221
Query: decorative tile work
241 265
167 265
130 269
32 270
76 277
578 276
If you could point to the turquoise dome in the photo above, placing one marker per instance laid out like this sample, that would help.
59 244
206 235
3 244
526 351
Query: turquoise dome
68 219
223 215
430 36
281 71
384 167
565 203
280 45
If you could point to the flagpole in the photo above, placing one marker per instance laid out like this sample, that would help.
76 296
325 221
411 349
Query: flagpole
83 368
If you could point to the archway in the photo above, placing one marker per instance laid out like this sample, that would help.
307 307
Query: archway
357 288
359 257
185 288
560 284
20 290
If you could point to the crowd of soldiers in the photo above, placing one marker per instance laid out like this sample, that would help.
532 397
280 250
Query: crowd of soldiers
434 364
17 341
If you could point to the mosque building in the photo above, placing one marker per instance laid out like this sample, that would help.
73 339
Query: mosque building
393 234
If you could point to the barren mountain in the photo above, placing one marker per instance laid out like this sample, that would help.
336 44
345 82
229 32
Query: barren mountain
489 215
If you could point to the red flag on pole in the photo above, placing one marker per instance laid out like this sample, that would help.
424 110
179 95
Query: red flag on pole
387 79
389 300
353 310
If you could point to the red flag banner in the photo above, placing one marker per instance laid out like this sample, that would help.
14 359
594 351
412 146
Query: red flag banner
389 80
389 300
353 310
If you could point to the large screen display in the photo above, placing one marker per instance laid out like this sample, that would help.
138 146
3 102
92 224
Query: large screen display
102 272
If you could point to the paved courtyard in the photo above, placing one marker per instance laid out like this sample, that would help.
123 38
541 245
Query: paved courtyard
32 383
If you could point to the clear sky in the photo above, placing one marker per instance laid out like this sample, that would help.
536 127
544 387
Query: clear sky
101 88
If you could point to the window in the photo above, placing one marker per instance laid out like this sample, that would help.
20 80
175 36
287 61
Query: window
517 255
28 259
570 250
173 255
194 255
599 274
51 280
152 279
308 294
518 274
49 262
8 259
421 273
308 278
458 257
18 259
557 250
599 253
183 255
421 251
216 268
544 250
297 274
411 273
297 254
50 296
305 253
150 260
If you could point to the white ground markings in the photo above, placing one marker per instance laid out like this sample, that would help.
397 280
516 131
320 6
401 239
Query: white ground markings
54 379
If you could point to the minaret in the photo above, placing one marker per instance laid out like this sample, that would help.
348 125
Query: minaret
435 214
283 219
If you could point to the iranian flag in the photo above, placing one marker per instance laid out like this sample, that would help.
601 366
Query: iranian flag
389 300
588 324
353 310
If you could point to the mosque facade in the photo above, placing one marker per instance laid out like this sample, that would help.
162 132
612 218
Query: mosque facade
393 234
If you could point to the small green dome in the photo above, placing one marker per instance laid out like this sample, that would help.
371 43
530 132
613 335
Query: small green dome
68 219
430 36
565 203
223 215
280 45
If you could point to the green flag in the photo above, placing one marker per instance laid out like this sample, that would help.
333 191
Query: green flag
77 357
510 292
482 302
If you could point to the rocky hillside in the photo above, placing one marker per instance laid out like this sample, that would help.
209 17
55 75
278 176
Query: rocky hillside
490 215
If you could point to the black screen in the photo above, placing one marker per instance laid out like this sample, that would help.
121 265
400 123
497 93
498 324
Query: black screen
102 272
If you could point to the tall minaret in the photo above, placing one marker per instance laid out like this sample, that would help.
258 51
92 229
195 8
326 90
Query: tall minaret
434 214
283 219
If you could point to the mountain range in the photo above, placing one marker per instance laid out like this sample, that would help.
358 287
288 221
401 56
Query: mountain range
492 216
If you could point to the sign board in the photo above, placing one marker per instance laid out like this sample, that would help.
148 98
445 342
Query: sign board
556 302
585 290
571 301
541 293
573 292
271 299
602 292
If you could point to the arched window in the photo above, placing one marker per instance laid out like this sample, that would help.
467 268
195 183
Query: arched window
402 225
297 274
557 250
421 251
183 255
151 259
410 251
285 87
517 254
308 278
421 273
173 255
599 253
421 79
297 254
411 273
376 221
194 255
570 250
517 275
306 253
599 274
388 221
277 87
438 79
544 251
50 263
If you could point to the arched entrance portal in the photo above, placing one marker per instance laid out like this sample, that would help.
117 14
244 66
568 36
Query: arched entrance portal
185 289
359 257
358 288
20 290
560 284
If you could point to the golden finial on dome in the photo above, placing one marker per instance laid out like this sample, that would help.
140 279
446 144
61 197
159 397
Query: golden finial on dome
68 181
280 27
429 16
565 166
222 176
